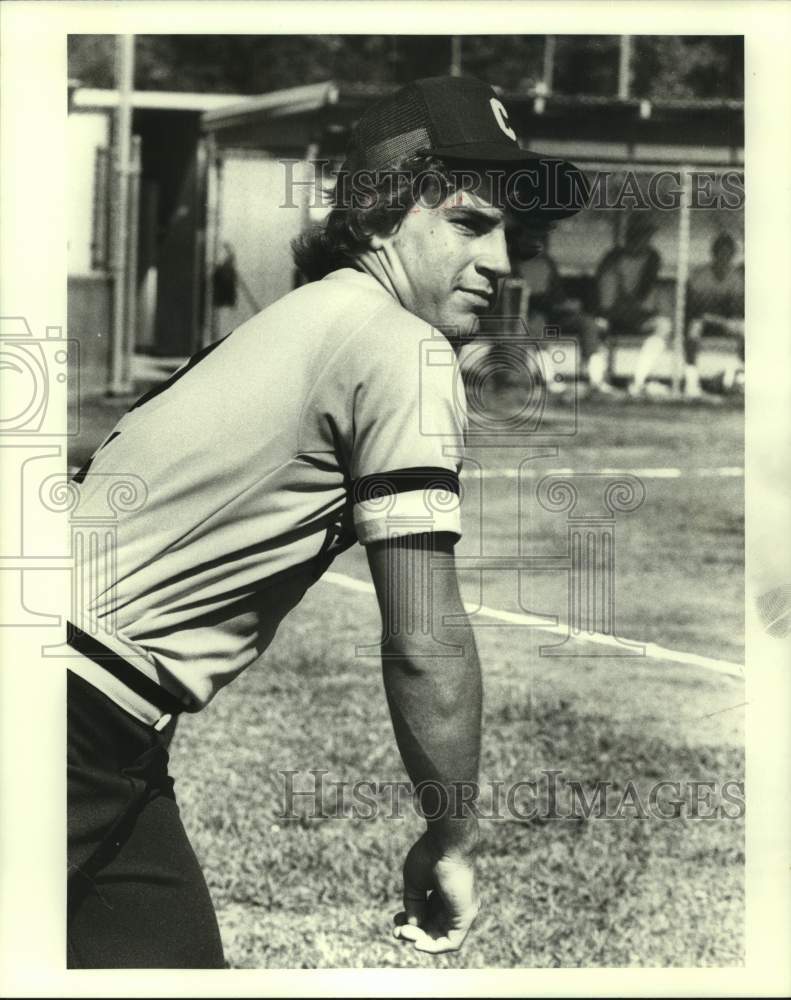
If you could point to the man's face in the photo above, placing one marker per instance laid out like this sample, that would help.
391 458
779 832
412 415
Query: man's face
445 262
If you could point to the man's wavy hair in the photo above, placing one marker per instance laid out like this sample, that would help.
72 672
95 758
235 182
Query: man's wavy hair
367 204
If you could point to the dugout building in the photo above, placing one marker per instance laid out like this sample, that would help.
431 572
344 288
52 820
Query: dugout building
221 184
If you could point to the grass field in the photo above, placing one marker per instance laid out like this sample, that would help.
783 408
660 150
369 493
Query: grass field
628 891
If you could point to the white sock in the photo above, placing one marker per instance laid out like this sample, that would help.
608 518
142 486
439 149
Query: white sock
692 381
729 375
652 349
597 368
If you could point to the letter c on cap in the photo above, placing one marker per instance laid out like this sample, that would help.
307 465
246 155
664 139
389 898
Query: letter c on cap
501 117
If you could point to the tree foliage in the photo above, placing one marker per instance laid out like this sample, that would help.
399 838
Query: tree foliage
662 66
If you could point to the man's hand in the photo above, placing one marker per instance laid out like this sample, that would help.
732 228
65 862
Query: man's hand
440 900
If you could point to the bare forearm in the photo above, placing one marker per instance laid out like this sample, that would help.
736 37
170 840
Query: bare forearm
435 703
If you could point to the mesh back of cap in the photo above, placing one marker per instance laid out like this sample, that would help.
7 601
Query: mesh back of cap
395 128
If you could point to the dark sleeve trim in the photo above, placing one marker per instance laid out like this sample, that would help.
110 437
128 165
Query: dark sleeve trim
404 481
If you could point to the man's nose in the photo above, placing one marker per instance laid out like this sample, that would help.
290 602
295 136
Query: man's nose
493 258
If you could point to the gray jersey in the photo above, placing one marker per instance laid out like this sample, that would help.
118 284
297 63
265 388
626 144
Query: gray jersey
332 416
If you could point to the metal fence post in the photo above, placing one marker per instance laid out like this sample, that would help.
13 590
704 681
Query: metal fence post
130 340
125 54
682 274
212 246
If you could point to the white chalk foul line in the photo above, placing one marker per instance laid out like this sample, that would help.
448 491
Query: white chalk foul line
652 650
526 472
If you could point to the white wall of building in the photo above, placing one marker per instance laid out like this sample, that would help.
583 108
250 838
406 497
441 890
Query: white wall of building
86 131
254 221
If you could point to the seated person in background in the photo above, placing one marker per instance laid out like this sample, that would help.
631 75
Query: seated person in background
625 288
549 305
715 307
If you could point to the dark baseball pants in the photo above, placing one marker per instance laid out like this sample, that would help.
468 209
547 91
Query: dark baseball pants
136 895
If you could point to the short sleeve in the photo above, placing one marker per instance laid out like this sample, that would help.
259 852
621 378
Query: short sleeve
409 421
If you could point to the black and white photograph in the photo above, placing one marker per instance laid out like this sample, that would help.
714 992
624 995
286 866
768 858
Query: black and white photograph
396 497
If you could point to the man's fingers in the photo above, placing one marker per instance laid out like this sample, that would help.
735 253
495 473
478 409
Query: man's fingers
412 917
434 936
409 932
451 941
432 942
415 901
402 918
415 909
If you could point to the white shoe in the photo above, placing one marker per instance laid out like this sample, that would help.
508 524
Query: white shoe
636 391
556 388
656 390
692 388
695 394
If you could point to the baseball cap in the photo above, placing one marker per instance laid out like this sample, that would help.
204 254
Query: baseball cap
463 121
